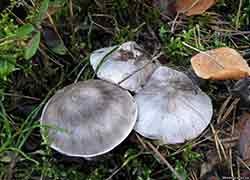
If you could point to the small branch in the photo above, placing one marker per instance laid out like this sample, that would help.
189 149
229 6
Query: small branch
237 23
164 161
141 68
80 73
124 164
151 146
21 96
71 12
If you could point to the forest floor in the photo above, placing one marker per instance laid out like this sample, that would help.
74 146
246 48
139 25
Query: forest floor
66 35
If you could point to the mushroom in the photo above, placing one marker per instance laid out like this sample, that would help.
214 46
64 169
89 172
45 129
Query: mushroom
126 65
171 108
88 118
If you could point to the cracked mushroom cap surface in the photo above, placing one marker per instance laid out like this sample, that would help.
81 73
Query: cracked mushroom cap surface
126 65
88 118
171 109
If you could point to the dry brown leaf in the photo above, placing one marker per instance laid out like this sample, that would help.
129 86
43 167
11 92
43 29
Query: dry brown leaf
193 7
244 141
220 64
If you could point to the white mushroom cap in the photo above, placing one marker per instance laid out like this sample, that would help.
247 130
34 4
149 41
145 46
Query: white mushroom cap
171 108
126 65
89 118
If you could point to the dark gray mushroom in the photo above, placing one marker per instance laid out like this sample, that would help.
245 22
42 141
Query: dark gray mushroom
171 108
88 118
126 65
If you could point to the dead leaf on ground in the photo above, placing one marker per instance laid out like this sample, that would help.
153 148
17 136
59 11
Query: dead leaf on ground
220 64
244 141
193 7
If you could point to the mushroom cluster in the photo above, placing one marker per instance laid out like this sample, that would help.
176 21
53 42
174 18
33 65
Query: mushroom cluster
90 118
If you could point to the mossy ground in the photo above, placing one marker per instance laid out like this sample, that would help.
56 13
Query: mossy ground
84 26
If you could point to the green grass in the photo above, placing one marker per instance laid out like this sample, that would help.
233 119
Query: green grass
27 83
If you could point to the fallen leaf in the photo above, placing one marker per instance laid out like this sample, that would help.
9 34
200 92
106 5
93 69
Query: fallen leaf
193 7
244 141
220 64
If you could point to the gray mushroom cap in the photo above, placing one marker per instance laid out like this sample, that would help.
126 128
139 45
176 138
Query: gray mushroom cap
126 65
171 108
88 118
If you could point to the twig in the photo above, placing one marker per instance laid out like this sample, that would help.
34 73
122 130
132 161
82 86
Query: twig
222 109
123 165
141 68
110 17
174 22
164 161
141 141
229 110
231 162
71 12
81 71
21 96
216 142
59 36
151 146
11 167
243 163
237 24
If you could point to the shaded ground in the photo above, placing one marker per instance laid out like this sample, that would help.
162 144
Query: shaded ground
86 25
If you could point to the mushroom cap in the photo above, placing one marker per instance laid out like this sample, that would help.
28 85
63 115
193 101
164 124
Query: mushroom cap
88 118
126 65
171 108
